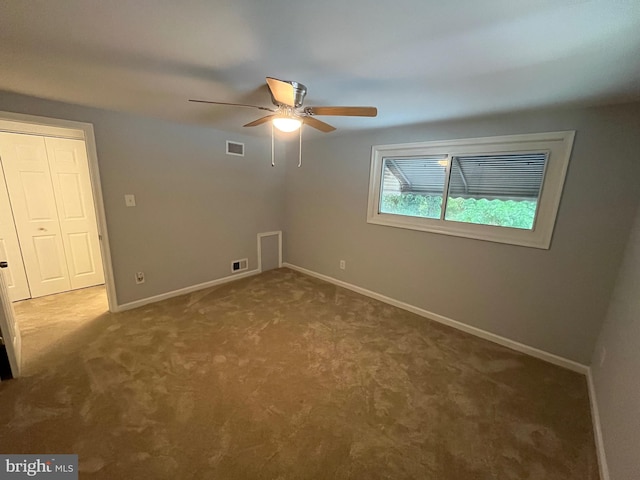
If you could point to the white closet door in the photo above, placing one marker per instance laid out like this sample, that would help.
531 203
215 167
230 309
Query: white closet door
28 178
14 275
72 188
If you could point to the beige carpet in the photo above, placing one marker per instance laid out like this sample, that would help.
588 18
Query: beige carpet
281 376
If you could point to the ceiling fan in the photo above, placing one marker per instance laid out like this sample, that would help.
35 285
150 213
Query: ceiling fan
289 114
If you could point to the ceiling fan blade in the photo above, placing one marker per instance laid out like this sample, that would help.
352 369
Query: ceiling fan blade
282 92
234 105
343 111
319 125
259 121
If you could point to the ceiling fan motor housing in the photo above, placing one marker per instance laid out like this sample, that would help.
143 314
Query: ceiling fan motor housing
299 91
288 97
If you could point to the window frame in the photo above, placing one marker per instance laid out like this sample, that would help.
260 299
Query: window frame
557 145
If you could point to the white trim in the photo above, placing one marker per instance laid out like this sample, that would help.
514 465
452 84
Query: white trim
183 291
36 125
597 428
492 337
557 144
17 123
94 172
269 234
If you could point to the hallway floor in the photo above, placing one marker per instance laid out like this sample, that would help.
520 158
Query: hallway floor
44 322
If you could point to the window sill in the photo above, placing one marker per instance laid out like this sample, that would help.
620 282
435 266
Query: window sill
514 236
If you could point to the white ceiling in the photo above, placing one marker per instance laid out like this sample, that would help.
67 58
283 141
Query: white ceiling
416 60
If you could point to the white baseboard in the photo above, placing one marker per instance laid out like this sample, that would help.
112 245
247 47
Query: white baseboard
492 337
183 291
597 429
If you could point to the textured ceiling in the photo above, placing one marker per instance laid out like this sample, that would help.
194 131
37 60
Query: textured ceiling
416 60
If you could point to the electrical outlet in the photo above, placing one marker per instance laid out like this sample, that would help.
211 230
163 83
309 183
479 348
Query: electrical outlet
240 265
139 278
343 265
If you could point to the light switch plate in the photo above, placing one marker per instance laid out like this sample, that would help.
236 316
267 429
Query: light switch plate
130 200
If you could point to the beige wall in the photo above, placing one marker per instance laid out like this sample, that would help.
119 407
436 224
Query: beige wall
553 299
197 208
616 378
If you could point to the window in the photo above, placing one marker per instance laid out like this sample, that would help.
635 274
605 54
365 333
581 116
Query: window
502 189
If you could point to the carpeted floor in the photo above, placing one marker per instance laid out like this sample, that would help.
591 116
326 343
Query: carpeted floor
282 376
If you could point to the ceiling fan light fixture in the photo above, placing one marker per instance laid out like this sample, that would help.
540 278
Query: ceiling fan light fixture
287 124
288 113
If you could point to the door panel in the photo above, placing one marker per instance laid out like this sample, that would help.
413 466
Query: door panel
50 265
9 277
269 252
15 276
36 187
82 258
74 197
26 168
71 193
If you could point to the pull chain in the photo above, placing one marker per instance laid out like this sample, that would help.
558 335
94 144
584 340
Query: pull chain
300 148
273 148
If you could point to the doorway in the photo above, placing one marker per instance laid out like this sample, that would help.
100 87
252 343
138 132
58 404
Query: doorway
68 159
49 232
81 262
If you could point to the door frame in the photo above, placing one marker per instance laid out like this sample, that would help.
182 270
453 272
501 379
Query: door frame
10 330
54 127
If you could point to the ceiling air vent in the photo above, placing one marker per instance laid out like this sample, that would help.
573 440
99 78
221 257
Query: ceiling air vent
235 148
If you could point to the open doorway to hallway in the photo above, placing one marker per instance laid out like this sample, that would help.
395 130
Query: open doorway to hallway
53 241
46 321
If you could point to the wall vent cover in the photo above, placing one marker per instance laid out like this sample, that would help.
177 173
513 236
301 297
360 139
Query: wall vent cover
235 148
240 265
